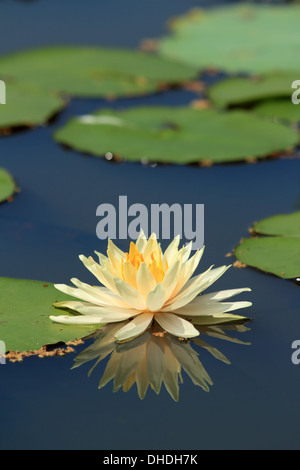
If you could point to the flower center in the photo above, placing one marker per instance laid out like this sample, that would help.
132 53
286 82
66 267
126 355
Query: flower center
154 261
134 256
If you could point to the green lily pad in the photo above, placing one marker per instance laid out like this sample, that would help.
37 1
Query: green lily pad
279 110
176 135
239 38
7 185
284 225
25 307
243 90
278 252
93 71
28 105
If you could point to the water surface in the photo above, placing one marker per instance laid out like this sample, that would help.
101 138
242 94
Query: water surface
253 402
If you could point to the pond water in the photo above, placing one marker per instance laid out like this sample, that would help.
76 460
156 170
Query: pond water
253 402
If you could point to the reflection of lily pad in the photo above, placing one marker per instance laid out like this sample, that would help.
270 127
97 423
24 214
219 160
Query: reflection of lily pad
25 307
245 38
7 185
279 110
278 252
28 105
92 71
176 135
243 90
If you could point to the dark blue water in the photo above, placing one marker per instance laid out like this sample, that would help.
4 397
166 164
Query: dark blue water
253 402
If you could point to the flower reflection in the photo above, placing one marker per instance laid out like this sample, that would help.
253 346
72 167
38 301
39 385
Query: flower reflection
155 358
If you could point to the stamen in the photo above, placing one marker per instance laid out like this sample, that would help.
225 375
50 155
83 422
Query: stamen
156 265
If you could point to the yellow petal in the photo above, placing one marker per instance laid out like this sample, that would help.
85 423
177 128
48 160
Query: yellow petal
218 319
176 326
156 298
101 293
188 270
130 295
151 248
200 306
106 314
82 294
102 258
171 278
115 251
226 294
102 274
141 242
129 273
135 327
195 286
145 280
186 251
77 319
172 251
115 256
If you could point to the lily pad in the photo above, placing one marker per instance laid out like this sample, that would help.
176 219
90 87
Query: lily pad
278 252
279 110
176 135
28 105
284 225
25 307
240 38
93 71
7 185
244 90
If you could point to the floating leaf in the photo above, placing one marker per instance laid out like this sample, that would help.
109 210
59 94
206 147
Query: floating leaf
279 251
25 307
243 90
93 71
286 225
279 110
7 185
239 38
176 135
28 105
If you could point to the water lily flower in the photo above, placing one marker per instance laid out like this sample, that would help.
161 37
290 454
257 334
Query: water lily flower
146 285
